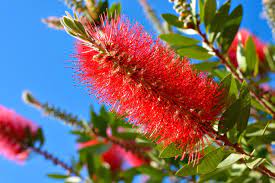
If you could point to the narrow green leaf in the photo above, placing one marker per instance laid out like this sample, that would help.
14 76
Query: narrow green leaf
145 169
241 58
115 9
100 122
231 159
254 162
57 176
70 24
257 105
195 52
170 151
206 66
231 28
250 54
230 117
208 164
269 54
172 20
218 22
201 7
178 40
209 11
91 167
245 103
187 170
229 85
256 68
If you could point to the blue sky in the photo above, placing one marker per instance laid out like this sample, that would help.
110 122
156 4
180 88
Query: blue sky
36 58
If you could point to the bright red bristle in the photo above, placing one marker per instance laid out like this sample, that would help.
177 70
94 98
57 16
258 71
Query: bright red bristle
146 81
14 131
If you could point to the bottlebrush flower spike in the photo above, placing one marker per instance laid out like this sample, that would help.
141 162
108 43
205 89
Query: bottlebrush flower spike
14 131
243 36
146 81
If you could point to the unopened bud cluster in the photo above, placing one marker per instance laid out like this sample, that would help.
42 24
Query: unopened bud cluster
269 8
183 8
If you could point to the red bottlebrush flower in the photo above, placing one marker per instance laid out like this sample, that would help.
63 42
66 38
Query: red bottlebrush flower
113 157
116 155
146 81
14 131
243 36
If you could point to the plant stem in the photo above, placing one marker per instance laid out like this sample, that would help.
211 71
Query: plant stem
261 168
54 160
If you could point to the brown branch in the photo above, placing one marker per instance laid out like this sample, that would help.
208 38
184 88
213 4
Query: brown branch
54 160
261 168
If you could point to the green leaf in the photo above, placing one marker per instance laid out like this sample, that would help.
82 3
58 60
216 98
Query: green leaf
229 85
57 176
245 103
201 7
178 40
172 20
145 169
257 105
256 68
170 151
100 122
102 6
250 54
208 164
218 22
195 52
91 167
95 149
270 54
231 159
230 117
241 58
231 28
115 9
209 11
254 162
206 66
70 24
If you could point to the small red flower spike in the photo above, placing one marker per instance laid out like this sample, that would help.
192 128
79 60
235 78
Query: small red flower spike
14 131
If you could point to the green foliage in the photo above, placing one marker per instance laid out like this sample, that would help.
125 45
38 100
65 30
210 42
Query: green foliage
172 20
208 164
177 40
244 131
209 11
195 52
170 151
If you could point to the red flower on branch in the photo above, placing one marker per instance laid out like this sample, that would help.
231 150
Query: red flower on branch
150 84
243 36
15 132
116 156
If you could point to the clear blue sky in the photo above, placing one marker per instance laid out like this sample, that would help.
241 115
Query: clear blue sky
35 57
